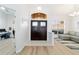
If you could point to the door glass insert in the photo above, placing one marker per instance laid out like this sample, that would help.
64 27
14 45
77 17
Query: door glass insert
34 23
43 24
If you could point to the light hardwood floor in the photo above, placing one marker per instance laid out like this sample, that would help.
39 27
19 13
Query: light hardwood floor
7 47
57 49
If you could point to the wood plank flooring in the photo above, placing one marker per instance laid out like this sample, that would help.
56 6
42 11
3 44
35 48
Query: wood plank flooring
57 49
7 47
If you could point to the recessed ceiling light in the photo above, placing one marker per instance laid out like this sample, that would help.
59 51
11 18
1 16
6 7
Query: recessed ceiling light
39 8
3 8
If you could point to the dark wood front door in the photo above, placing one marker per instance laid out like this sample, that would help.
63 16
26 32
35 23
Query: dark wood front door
38 30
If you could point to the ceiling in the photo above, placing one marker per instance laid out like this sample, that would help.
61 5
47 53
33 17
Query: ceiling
58 9
53 9
7 10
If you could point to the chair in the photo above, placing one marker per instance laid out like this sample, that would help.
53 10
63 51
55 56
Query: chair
5 35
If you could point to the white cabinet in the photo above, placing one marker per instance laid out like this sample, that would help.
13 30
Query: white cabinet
50 38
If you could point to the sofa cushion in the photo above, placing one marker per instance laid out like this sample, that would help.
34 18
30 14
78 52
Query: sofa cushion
72 33
74 37
64 35
77 34
76 40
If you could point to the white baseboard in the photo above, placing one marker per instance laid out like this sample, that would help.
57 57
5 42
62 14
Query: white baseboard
20 48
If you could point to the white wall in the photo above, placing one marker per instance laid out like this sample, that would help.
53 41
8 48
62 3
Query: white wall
74 24
10 21
71 23
21 31
67 24
3 20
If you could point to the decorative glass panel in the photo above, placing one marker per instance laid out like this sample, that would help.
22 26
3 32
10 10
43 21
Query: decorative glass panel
43 24
34 23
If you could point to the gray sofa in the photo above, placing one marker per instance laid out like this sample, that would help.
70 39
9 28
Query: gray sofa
70 36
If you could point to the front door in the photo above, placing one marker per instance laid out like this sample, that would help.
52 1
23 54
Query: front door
38 30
